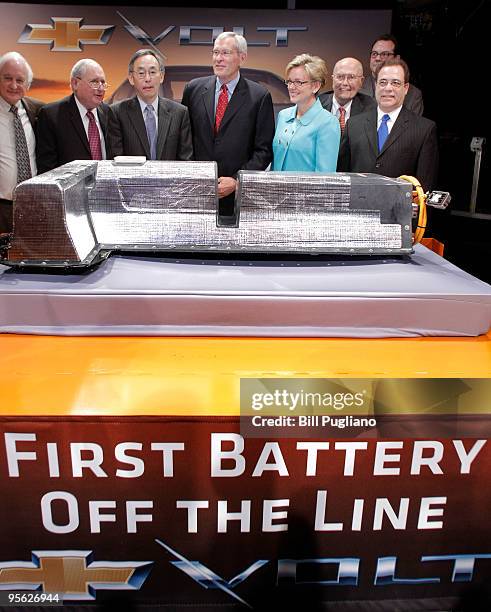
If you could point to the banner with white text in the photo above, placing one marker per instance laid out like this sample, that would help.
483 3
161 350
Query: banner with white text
186 511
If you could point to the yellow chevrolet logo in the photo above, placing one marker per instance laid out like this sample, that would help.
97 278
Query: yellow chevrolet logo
73 573
66 34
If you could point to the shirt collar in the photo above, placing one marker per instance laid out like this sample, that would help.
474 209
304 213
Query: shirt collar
336 105
307 117
393 114
143 105
4 105
83 110
231 85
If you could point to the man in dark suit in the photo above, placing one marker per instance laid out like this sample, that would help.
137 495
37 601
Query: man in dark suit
391 140
18 115
75 127
346 100
386 47
148 124
232 118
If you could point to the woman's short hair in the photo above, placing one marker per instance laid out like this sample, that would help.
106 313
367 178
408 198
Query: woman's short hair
314 66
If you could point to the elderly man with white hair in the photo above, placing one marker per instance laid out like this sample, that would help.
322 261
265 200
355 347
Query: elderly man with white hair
346 100
18 115
76 126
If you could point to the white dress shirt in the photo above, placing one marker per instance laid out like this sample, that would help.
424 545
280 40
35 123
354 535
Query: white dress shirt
393 116
335 108
8 160
85 120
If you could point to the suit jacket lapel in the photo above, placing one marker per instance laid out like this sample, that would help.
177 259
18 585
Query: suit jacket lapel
209 100
235 103
356 107
102 115
397 130
328 105
30 111
76 120
371 86
136 117
371 131
164 125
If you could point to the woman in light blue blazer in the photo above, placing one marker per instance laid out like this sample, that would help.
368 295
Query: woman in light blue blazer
307 135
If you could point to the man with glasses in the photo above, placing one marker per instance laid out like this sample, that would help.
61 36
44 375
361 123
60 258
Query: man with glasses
390 139
346 100
148 124
383 49
18 115
76 126
232 118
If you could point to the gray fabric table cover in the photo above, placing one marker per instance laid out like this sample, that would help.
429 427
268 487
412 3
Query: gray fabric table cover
423 295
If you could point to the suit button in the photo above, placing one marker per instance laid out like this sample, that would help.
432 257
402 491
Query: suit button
377 165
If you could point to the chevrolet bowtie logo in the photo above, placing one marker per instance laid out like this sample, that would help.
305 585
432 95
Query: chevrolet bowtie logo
73 573
66 34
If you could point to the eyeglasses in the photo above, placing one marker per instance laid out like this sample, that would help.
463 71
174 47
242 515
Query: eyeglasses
95 84
224 52
382 54
8 79
394 82
141 74
296 83
349 77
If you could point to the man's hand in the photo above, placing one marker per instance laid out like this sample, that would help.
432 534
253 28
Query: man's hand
226 186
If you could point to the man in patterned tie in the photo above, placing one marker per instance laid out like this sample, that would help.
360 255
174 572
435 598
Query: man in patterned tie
76 126
18 115
149 124
345 100
390 139
232 118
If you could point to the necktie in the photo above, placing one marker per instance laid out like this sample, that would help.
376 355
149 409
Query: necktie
151 126
383 132
221 106
94 138
24 171
342 118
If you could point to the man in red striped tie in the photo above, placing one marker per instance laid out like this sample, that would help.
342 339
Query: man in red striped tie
232 118
346 100
75 127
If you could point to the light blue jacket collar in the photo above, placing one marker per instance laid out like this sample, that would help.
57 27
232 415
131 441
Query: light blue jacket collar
307 117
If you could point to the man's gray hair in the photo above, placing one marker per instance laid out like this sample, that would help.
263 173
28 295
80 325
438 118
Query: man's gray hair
240 41
17 57
81 66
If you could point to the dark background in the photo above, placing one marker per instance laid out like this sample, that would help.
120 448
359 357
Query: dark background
444 45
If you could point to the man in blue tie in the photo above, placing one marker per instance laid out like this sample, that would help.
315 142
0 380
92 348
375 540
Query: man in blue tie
149 124
390 139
